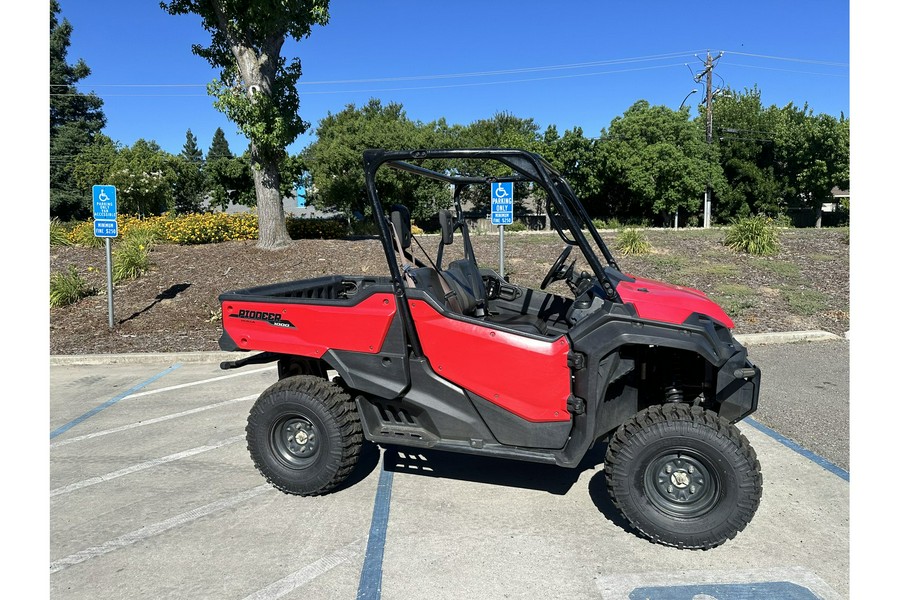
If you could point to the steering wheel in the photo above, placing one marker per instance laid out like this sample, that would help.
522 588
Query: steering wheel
556 269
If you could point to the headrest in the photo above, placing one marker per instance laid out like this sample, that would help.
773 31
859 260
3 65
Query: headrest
401 222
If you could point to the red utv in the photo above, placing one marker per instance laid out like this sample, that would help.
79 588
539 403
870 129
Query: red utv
454 357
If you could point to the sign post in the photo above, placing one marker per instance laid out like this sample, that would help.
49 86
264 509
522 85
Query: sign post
501 211
106 226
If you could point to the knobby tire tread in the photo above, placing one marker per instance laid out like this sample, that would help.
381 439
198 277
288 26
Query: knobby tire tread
683 419
337 403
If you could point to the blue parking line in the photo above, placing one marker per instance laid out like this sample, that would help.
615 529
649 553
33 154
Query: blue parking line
825 464
109 403
783 590
370 577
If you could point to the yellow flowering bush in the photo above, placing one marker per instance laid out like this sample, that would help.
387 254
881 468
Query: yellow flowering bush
204 228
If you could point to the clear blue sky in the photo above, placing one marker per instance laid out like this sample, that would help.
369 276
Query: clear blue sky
153 87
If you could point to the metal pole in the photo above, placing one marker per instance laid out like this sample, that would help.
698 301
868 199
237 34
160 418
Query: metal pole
709 129
109 283
502 274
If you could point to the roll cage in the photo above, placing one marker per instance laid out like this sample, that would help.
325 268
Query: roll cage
567 215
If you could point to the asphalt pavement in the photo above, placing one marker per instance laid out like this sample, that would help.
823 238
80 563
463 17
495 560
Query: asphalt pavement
153 495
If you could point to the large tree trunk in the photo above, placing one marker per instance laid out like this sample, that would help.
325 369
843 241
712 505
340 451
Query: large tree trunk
258 73
273 232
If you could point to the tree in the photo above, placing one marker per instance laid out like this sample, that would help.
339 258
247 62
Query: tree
145 176
219 147
230 182
653 162
502 130
190 152
812 156
190 177
75 120
335 167
257 86
745 139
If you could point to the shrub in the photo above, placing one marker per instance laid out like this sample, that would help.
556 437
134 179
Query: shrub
632 241
82 234
59 235
131 258
516 226
68 287
755 235
782 220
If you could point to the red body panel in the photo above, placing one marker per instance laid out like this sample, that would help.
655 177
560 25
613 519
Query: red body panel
528 377
658 301
309 329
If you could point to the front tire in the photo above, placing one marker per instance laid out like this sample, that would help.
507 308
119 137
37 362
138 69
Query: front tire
304 435
683 476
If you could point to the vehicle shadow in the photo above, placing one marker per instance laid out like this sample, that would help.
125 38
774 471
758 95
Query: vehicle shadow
369 456
489 470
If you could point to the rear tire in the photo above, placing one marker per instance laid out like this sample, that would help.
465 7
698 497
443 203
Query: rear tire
683 476
304 435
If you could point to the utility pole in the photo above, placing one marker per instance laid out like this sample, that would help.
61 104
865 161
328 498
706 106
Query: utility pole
708 71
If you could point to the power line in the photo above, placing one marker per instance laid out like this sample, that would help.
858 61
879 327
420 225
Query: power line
581 65
400 89
800 60
841 75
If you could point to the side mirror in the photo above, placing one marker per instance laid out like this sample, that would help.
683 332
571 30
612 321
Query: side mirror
447 225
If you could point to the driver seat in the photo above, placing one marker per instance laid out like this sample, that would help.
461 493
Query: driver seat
464 278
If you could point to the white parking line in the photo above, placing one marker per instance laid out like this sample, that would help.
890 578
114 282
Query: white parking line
156 529
308 573
144 465
150 421
201 382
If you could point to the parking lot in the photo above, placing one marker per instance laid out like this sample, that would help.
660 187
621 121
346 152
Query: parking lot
153 495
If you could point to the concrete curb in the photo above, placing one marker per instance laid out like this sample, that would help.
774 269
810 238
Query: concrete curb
786 337
750 339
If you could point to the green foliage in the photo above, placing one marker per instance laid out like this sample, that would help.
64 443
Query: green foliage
782 220
334 161
219 147
300 229
744 136
67 287
259 94
633 241
653 161
76 118
516 226
812 154
190 151
229 181
131 257
82 234
755 235
59 234
146 177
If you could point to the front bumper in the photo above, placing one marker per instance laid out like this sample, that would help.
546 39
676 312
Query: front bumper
737 387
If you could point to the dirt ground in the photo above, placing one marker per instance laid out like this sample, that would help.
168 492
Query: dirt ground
174 307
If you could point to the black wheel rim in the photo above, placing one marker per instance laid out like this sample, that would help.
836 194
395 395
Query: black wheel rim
295 441
681 484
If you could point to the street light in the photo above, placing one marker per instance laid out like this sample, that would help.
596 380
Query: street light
686 97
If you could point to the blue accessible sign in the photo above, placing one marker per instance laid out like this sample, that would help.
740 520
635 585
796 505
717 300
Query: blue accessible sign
105 211
501 203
